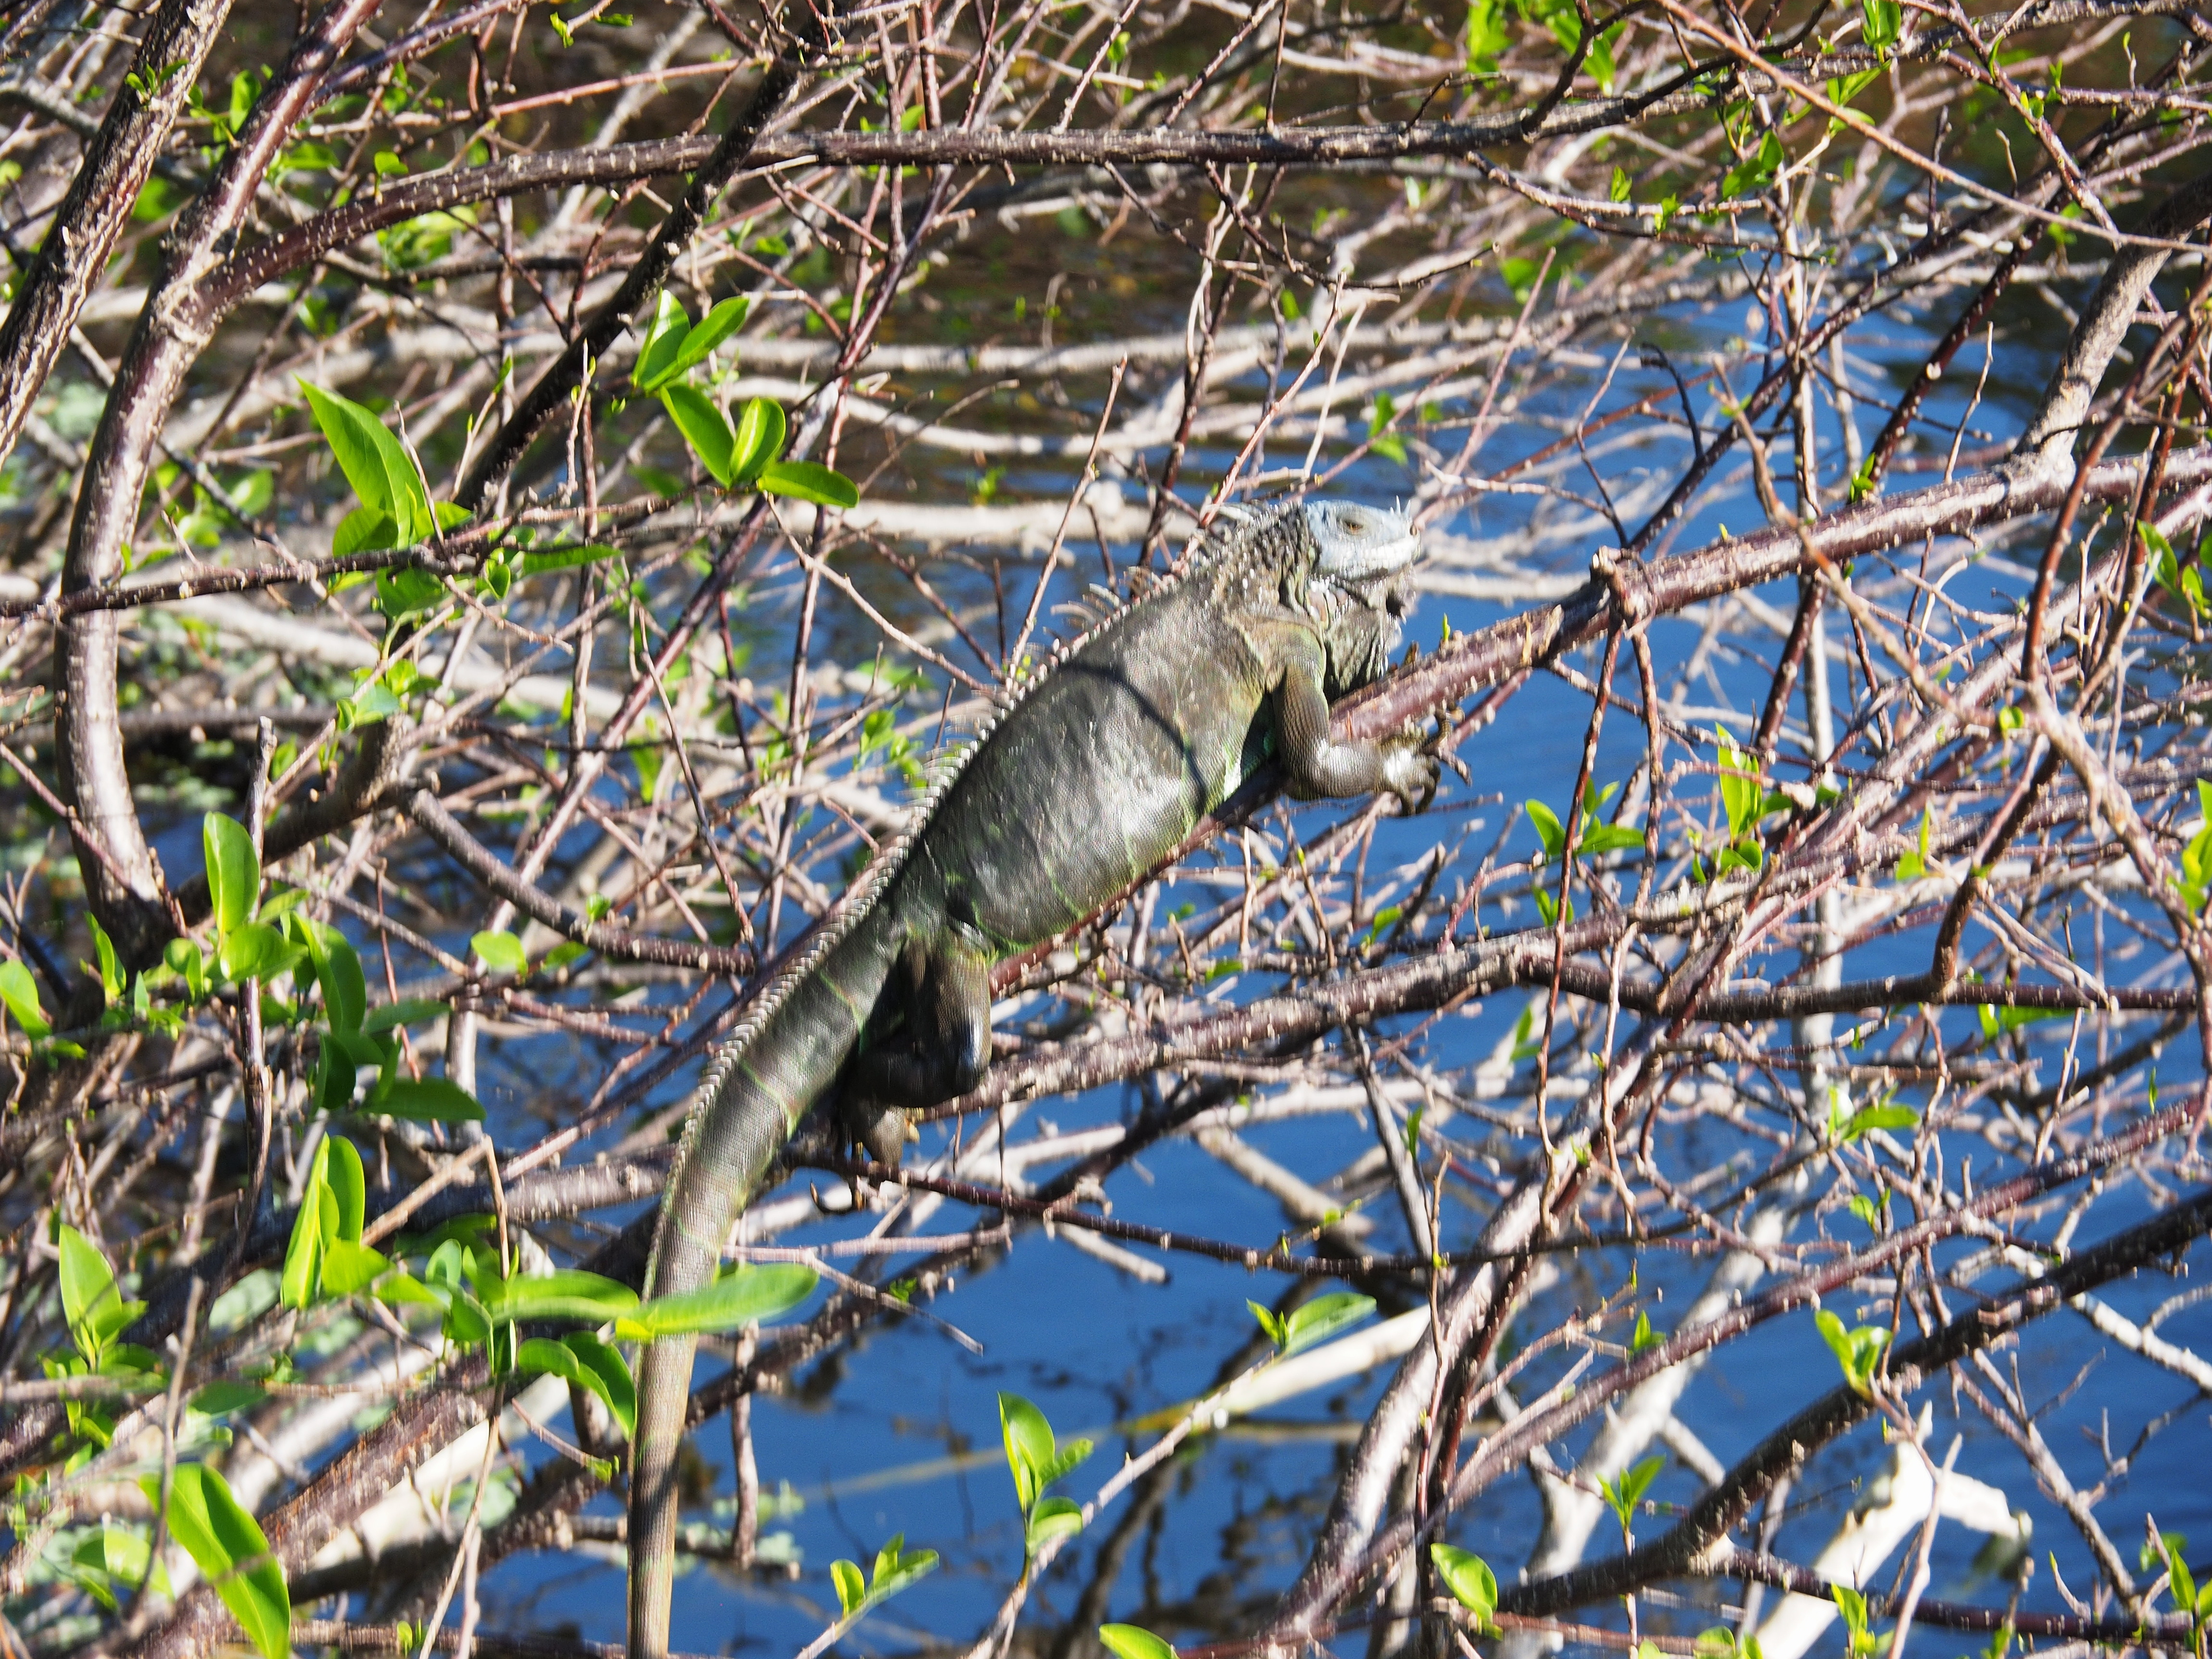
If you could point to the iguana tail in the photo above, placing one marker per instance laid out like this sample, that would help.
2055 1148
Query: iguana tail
759 1085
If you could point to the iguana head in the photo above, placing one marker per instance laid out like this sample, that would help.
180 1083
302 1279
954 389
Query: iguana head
1354 586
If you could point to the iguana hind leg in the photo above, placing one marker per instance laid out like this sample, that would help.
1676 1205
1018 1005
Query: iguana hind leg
939 1045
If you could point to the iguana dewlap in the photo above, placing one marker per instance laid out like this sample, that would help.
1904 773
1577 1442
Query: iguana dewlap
1103 763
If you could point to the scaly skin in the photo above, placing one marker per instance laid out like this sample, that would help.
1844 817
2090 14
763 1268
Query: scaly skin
1108 759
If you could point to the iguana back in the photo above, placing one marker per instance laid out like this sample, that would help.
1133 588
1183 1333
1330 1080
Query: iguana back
1103 763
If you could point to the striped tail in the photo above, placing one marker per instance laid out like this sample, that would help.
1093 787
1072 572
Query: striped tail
760 1083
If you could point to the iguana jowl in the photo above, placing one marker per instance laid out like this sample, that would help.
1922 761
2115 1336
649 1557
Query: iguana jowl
1104 763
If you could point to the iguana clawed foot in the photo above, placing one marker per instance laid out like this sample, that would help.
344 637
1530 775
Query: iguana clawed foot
883 1131
1410 773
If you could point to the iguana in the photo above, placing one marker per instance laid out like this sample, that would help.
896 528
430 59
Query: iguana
1098 767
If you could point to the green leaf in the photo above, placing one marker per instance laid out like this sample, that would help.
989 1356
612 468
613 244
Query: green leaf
896 1567
1913 865
852 1588
157 199
541 1356
501 952
1052 1518
1625 1494
664 339
1599 838
20 992
2192 589
114 1560
302 1276
1034 1457
709 331
1273 1324
1527 1031
128 1360
336 1075
1741 793
1469 1577
614 1383
1858 1352
381 471
396 1288
228 1547
427 1100
1996 1021
351 1267
745 1296
2154 1549
92 1303
1486 37
805 480
1601 67
234 873
2181 1585
405 591
603 1373
255 950
759 439
408 1011
704 428
1322 1318
219 1399
1853 1607
1383 441
1133 1642
373 703
1549 830
465 1320
1072 1455
1844 89
364 530
1756 171
338 1165
570 1293
1030 1446
111 965
565 558
1883 1115
184 958
337 971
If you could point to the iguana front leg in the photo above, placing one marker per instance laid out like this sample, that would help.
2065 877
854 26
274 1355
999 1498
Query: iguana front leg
939 1043
1319 768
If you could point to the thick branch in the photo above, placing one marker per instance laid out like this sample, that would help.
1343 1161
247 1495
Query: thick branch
88 743
101 200
2048 441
